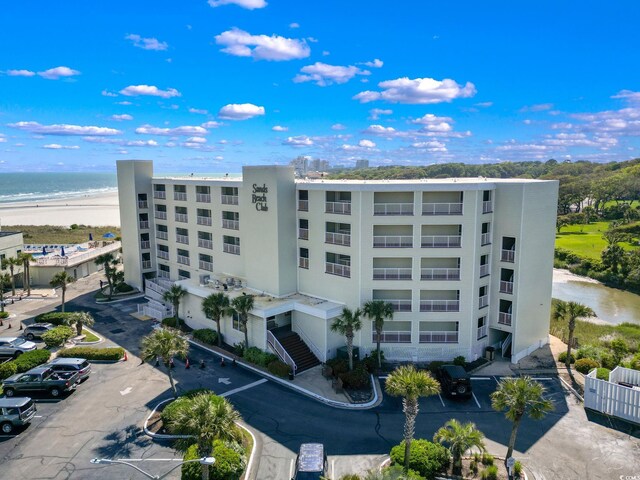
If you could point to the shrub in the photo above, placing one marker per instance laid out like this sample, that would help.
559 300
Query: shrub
460 361
56 318
350 476
339 366
490 473
435 365
239 349
394 472
90 353
562 358
229 465
607 360
517 469
585 365
4 314
7 369
635 362
169 322
487 459
603 373
427 458
124 288
279 368
589 351
57 336
170 411
257 356
473 466
357 379
32 359
206 335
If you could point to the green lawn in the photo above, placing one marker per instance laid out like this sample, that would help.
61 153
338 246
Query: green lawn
585 240
88 336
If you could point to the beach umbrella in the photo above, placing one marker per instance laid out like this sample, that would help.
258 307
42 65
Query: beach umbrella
44 250
62 252
91 237
108 235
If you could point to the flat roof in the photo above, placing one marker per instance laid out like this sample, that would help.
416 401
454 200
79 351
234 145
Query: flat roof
7 234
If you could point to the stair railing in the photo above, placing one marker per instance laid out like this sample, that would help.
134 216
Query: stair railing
277 347
312 346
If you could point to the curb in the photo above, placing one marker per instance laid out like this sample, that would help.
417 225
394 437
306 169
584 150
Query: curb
116 300
571 389
84 344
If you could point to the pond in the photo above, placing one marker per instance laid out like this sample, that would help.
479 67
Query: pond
611 305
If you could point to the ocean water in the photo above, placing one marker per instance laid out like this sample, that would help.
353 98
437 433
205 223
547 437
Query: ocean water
32 187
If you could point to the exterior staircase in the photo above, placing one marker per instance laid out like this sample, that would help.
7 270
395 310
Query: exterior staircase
299 351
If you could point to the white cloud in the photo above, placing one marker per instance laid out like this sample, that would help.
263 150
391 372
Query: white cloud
380 130
107 93
56 146
172 132
540 107
431 146
199 111
135 90
122 142
338 126
279 128
242 111
218 157
58 72
366 143
483 104
248 4
418 91
374 113
2 138
294 25
197 140
323 74
147 43
275 48
211 124
63 129
298 141
433 123
20 73
628 95
120 118
375 63
326 53
580 140
125 102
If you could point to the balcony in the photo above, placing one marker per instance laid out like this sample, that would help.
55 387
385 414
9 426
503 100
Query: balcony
392 274
341 208
145 244
144 224
485 239
146 264
393 208
143 204
442 209
438 337
163 255
393 337
231 224
303 205
208 266
160 194
392 241
508 256
182 217
163 274
338 238
203 220
160 215
203 197
487 207
337 269
303 262
398 305
483 301
303 233
230 199
162 235
441 241
205 243
183 260
439 274
506 287
439 305
504 318
231 248
182 196
482 332
485 270
182 239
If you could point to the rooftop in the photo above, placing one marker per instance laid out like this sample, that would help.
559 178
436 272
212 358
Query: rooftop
8 234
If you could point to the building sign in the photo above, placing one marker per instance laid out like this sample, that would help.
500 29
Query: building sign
259 197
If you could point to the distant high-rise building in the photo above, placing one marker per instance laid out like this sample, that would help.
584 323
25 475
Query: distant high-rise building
362 164
300 166
317 165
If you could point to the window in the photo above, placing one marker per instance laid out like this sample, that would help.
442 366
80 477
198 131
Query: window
482 327
304 258
183 274
235 323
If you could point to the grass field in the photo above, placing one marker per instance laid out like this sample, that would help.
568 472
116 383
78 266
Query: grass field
594 334
585 240
54 235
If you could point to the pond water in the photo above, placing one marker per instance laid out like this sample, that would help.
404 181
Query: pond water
611 305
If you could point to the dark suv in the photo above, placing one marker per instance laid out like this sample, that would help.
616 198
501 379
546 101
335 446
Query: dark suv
454 381
36 330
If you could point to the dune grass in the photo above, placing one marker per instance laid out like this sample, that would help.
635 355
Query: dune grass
586 240
56 235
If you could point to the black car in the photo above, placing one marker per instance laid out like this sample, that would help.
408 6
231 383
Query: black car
36 330
454 381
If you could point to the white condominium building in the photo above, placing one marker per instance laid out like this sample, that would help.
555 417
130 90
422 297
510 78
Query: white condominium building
466 263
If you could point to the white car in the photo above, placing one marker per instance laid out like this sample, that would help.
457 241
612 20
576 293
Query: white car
14 346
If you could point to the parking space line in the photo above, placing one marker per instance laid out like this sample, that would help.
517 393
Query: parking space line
480 378
441 401
496 379
333 469
543 379
291 468
476 399
246 387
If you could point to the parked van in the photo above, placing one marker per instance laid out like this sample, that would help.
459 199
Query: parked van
15 412
311 463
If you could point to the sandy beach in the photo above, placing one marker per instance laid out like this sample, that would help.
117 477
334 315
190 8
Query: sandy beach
94 210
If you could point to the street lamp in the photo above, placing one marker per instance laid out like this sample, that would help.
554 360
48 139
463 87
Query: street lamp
128 462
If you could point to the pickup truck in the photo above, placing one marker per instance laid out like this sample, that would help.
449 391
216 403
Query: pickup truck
40 379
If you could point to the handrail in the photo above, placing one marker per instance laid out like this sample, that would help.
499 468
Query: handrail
312 346
280 351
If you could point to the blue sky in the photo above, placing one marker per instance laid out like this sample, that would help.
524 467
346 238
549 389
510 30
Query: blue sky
211 85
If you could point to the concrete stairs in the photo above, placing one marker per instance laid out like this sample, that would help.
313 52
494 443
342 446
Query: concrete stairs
299 351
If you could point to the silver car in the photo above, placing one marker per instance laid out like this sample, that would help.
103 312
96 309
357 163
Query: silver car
75 365
14 346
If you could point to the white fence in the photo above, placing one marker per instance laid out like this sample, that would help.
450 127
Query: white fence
618 397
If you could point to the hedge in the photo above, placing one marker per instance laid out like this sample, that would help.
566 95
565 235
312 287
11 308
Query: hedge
585 365
562 358
279 368
32 359
57 336
4 314
7 369
257 356
90 353
229 465
426 458
357 379
206 335
56 318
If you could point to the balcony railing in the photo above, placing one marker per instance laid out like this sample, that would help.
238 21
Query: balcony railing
398 305
342 208
485 270
162 235
442 209
203 197
441 241
485 239
392 273
303 205
180 196
182 217
231 224
231 248
183 260
160 215
163 274
392 241
146 264
482 332
438 337
439 305
393 337
182 239
145 244
200 220
483 301
504 318
303 262
208 266
506 287
143 204
338 269
487 207
303 233
205 243
439 274
508 256
230 199
336 238
144 224
160 194
162 254
393 208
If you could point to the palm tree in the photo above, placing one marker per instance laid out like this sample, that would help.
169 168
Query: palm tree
241 306
519 397
4 281
460 438
109 261
410 384
378 311
26 259
214 307
348 324
82 319
173 296
570 311
205 418
61 280
164 344
11 263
